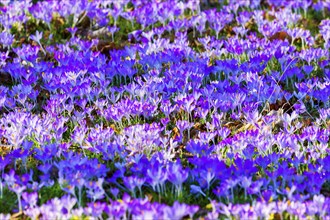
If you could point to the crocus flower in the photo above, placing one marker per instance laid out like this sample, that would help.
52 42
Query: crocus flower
37 37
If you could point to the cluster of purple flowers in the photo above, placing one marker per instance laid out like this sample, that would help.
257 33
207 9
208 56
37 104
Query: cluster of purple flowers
127 207
194 111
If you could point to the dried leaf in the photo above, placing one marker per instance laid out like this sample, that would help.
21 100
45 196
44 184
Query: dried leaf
245 127
281 35
176 132
18 215
113 126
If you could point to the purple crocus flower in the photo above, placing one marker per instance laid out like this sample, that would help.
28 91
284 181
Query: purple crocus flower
18 189
6 39
95 209
4 216
177 176
178 211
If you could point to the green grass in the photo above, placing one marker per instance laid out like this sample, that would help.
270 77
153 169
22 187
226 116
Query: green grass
47 193
8 202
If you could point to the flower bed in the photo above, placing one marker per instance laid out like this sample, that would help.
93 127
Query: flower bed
138 109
